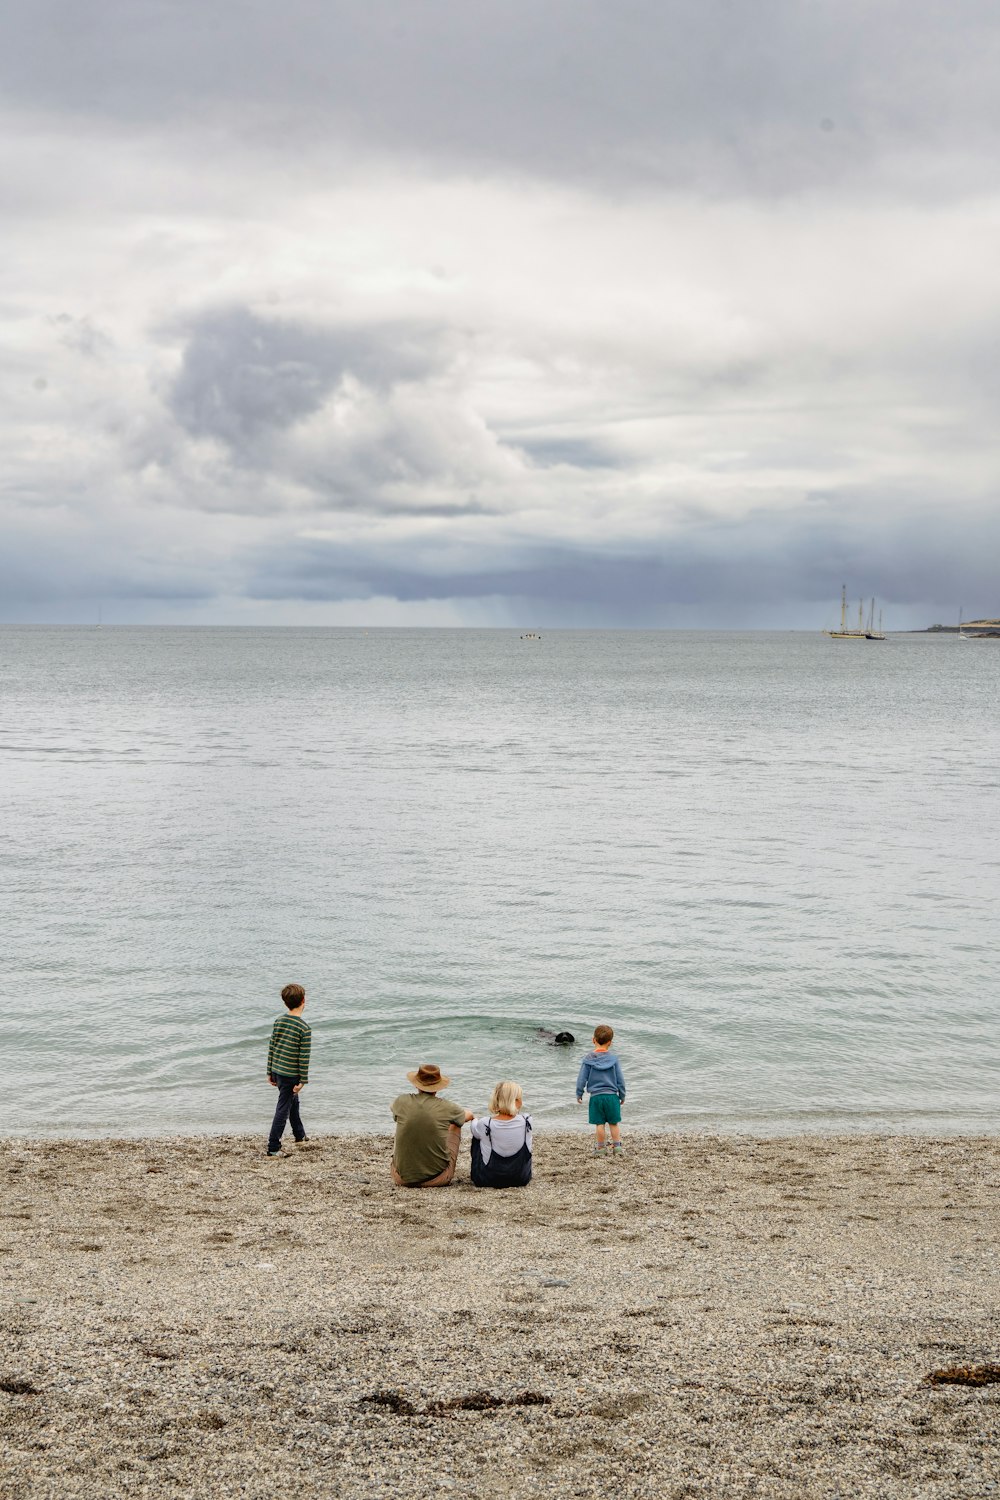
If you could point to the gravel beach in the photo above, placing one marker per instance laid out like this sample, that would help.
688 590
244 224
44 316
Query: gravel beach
708 1316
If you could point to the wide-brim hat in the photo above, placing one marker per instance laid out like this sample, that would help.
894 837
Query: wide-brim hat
428 1079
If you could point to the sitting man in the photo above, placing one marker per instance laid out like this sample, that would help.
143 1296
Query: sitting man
428 1130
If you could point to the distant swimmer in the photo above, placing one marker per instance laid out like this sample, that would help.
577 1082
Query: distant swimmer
556 1038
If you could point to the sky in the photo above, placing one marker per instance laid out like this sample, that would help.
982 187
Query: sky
563 313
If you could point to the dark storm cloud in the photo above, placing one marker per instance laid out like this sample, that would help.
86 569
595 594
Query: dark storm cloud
764 558
242 375
387 441
554 575
778 93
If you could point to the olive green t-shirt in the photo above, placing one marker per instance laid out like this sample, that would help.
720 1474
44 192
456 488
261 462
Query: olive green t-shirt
422 1122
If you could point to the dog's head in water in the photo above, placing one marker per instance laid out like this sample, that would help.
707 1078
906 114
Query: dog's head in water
556 1038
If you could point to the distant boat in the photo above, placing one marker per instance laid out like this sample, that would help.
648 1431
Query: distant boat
844 634
871 634
961 633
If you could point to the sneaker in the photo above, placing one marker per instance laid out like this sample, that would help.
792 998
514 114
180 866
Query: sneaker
302 1140
276 1153
598 1150
618 1149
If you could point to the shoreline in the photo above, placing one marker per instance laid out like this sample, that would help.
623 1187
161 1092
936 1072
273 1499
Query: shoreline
713 1315
948 1125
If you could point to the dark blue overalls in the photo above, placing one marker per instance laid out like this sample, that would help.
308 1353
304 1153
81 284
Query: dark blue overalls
502 1171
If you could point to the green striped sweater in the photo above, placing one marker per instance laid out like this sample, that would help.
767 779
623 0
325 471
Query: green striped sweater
288 1053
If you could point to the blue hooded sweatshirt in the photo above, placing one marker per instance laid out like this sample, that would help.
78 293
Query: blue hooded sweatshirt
600 1073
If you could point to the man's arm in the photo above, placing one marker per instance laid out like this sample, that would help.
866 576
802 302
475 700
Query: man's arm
270 1056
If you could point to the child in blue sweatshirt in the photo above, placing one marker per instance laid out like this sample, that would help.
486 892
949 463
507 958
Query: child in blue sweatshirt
601 1077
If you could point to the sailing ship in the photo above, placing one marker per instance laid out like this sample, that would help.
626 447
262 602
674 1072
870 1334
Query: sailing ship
871 634
861 631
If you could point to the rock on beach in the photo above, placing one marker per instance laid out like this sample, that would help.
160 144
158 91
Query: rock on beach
707 1316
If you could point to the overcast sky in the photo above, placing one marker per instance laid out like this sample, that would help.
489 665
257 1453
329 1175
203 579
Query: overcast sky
676 312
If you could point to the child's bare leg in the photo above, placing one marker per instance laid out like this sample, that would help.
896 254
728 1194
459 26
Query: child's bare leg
616 1134
600 1135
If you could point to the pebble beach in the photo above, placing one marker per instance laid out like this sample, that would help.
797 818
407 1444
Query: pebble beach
707 1316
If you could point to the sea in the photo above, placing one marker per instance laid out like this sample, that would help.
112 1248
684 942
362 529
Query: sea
771 861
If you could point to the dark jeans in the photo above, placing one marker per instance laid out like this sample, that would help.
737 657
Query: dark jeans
287 1112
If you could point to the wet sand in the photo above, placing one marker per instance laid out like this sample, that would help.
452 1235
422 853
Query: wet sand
705 1317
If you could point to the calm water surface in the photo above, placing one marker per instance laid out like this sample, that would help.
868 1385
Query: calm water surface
769 860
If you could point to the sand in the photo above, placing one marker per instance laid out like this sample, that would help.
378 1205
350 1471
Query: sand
705 1317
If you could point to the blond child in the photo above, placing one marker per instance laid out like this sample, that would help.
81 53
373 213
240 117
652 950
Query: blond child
501 1140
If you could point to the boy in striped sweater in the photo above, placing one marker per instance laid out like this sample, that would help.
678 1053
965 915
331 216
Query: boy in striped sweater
288 1067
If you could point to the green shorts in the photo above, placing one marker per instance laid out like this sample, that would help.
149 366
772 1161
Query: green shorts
605 1109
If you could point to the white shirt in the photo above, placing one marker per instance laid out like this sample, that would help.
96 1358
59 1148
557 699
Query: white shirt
508 1136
